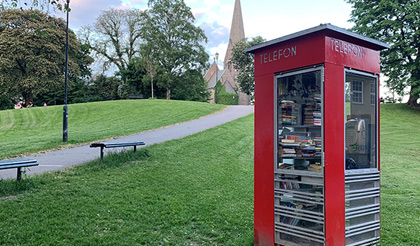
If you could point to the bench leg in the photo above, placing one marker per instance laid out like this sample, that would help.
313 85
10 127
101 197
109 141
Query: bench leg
19 174
135 147
102 153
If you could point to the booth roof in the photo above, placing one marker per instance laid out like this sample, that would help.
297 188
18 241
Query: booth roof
323 27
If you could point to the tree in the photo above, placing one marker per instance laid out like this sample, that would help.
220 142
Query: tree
105 88
398 23
175 44
191 86
59 4
244 63
133 76
115 36
32 48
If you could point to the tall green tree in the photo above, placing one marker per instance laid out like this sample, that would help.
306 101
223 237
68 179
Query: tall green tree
396 22
175 44
32 48
244 63
133 76
115 37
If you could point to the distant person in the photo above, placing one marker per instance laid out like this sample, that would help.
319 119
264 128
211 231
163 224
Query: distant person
45 104
24 104
18 105
30 104
382 100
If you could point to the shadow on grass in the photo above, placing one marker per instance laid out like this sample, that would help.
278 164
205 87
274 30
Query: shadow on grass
13 187
114 160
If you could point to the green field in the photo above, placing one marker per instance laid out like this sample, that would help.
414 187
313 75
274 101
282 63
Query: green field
400 175
192 191
30 130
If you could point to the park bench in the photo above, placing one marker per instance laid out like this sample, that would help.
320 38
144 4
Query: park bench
116 145
135 96
18 163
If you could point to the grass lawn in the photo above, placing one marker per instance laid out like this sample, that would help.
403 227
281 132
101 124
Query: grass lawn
24 131
400 175
193 191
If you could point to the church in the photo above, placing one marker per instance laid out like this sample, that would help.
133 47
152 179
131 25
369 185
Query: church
227 76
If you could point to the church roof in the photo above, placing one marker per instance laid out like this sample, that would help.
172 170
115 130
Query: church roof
211 76
237 31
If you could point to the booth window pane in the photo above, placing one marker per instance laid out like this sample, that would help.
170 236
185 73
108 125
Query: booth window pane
360 121
299 121
299 181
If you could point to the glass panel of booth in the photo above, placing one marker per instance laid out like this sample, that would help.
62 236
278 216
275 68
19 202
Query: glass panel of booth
299 183
362 192
300 120
360 120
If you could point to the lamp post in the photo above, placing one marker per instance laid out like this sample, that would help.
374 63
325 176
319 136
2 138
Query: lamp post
65 109
217 69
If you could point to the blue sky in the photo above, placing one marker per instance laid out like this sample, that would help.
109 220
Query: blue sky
267 18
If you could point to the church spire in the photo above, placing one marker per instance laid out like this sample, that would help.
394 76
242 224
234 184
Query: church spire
237 32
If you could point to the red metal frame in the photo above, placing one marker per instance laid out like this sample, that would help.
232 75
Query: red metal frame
336 49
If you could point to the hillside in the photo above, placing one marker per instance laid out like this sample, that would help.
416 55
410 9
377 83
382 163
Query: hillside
200 197
30 130
400 175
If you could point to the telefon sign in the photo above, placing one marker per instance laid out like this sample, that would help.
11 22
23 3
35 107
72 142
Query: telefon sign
278 54
346 48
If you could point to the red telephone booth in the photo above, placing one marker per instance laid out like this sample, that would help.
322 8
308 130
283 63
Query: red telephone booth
317 139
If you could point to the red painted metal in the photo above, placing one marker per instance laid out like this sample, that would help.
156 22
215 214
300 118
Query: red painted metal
307 53
263 161
335 51
334 154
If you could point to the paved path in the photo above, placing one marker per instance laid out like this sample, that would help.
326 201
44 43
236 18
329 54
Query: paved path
75 156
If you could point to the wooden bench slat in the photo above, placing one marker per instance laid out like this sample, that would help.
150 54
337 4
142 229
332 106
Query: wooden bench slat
17 161
117 144
19 164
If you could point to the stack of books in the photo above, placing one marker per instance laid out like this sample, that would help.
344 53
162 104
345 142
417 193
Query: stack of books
289 113
312 114
318 145
308 151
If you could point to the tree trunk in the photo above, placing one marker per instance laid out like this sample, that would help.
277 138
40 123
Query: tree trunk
168 93
27 98
412 100
151 78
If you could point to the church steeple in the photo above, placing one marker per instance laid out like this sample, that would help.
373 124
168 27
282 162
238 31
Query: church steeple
237 32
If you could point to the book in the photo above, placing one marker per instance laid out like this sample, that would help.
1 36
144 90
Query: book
315 167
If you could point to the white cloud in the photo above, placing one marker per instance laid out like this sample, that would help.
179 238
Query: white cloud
211 3
221 49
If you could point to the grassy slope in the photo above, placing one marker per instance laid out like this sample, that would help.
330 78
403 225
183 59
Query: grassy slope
192 191
400 175
31 130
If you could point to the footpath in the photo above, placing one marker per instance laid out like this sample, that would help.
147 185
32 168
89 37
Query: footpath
64 158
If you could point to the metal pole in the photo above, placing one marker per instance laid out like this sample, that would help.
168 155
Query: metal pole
65 108
217 68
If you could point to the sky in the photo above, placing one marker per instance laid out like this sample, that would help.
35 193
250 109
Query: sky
267 18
